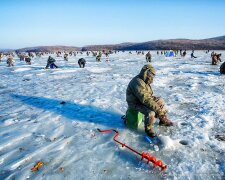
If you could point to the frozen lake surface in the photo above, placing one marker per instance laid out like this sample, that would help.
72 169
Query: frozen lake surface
36 126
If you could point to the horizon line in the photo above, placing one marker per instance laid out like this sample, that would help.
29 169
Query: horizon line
107 44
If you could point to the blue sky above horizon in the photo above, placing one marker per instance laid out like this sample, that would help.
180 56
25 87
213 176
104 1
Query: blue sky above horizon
26 23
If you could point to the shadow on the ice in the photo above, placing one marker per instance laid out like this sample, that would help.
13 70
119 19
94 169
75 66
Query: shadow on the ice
73 110
5 174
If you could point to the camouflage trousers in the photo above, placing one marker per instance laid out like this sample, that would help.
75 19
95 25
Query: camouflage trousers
149 114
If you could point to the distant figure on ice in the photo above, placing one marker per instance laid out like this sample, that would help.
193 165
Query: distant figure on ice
27 59
1 56
98 57
30 54
216 58
148 57
139 97
58 54
82 62
21 56
222 68
176 52
66 57
192 55
10 61
184 53
51 63
107 54
94 53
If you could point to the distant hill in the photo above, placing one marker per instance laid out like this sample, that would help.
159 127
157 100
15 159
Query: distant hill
49 49
112 47
6 50
220 38
217 43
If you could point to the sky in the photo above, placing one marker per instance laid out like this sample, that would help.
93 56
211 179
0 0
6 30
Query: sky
26 23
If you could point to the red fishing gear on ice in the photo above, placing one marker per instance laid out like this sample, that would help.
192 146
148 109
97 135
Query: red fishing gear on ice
144 155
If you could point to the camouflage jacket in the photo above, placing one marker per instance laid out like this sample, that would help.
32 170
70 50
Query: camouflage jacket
139 92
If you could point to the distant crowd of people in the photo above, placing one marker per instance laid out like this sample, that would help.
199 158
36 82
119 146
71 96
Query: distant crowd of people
27 57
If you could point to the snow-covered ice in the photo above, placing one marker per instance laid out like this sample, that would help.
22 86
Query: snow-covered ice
36 126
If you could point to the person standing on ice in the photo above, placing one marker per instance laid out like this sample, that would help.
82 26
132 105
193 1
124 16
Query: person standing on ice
98 57
66 57
82 62
139 97
10 60
192 55
148 57
1 56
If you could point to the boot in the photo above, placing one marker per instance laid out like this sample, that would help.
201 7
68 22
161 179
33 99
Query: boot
150 132
164 121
